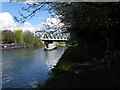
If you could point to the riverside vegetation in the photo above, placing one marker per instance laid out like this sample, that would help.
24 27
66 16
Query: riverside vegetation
18 36
71 73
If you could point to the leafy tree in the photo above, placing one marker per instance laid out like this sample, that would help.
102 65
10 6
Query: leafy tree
29 38
38 43
31 41
94 25
7 36
0 37
19 36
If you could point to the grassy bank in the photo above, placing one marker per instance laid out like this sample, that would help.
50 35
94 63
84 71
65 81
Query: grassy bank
83 74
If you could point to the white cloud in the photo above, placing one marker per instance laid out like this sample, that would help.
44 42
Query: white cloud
7 23
51 22
27 26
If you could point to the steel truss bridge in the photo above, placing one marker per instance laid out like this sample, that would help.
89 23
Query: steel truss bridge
52 36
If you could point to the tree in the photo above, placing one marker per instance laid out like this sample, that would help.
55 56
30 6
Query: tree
1 38
95 26
19 36
7 36
29 38
38 43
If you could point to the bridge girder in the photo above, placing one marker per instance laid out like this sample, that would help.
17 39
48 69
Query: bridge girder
44 36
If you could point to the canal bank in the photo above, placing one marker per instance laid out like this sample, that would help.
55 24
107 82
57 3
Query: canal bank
71 73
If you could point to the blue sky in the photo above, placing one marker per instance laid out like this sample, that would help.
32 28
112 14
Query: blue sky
14 8
38 22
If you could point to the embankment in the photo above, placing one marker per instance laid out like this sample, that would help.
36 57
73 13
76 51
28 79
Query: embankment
71 72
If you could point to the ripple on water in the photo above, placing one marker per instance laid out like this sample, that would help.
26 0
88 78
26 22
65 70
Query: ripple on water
33 83
27 71
6 78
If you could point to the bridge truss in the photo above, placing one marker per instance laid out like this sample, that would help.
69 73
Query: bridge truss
52 36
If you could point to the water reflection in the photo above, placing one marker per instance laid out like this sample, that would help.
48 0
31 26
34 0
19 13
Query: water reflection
51 61
24 68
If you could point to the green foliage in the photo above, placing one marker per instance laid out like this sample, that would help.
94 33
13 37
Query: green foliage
7 36
29 39
38 43
65 66
62 42
95 27
19 36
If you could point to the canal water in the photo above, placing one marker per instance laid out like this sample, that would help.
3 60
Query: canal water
25 68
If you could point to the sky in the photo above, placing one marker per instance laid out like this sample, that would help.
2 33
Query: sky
14 8
9 10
